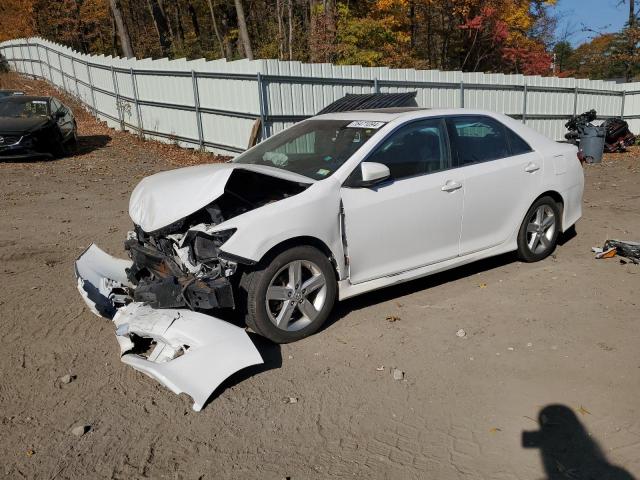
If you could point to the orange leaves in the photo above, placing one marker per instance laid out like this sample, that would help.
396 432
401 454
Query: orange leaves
16 19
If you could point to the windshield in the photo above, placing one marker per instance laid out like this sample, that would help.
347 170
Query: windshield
315 148
24 109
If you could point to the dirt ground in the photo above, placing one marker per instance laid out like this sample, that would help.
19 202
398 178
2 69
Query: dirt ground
554 342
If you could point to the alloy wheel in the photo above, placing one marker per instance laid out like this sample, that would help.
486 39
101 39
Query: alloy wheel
540 229
296 294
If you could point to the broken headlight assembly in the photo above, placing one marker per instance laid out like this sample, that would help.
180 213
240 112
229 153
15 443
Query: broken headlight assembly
180 270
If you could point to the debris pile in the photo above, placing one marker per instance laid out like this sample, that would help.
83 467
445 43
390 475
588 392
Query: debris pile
612 248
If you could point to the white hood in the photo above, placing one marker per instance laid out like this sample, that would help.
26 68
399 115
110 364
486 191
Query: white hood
166 197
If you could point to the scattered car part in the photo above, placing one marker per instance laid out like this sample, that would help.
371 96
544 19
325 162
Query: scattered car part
615 131
626 249
35 127
618 135
184 350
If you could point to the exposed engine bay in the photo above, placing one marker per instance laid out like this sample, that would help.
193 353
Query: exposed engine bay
180 265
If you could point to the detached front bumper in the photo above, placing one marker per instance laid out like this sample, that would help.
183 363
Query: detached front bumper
186 351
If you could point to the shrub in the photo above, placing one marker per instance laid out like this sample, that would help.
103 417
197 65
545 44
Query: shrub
4 65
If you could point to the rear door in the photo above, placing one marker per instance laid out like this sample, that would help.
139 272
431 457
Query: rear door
501 175
411 220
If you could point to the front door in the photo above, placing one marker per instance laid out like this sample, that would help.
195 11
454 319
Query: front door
414 218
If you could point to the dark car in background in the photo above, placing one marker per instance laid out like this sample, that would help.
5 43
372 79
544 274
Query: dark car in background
33 126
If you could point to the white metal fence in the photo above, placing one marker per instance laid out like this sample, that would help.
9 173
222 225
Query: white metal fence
214 104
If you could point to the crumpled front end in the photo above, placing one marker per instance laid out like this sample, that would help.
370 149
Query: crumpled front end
177 269
184 350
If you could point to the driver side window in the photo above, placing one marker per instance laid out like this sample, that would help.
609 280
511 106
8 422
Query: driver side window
414 149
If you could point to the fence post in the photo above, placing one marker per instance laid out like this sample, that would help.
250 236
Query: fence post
624 96
575 101
135 100
75 77
22 58
46 49
33 72
196 103
93 95
524 104
117 92
39 60
263 107
64 82
376 86
13 58
461 93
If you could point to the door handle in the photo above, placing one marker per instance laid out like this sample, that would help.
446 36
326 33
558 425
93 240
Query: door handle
451 186
531 167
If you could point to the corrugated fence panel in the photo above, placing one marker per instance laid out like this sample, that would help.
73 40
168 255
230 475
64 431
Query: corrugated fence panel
214 104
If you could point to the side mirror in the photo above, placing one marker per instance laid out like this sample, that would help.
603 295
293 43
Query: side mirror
373 173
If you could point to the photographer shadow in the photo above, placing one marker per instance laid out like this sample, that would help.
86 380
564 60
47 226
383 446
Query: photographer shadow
567 450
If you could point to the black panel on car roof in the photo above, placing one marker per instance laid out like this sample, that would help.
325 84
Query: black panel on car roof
371 101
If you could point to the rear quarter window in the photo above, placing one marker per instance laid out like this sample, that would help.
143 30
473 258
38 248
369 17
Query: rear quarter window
517 145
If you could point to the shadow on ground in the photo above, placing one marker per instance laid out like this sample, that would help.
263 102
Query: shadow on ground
375 297
86 144
271 355
566 449
89 143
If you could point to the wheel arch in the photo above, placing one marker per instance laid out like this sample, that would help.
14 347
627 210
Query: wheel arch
558 199
303 240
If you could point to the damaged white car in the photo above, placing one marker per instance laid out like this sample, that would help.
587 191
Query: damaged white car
332 207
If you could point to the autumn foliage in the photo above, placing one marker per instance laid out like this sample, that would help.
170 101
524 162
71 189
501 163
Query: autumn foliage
508 36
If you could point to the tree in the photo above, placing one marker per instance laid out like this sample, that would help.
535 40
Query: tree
121 28
563 52
474 35
16 19
242 27
162 25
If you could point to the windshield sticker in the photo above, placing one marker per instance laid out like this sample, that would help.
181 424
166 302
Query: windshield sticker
365 124
39 102
323 171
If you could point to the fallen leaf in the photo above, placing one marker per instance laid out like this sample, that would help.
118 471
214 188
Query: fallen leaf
584 411
495 430
392 318
482 285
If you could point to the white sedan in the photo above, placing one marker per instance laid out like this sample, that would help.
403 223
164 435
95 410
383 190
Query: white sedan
335 206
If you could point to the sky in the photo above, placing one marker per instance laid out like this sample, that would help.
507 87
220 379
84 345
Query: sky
600 15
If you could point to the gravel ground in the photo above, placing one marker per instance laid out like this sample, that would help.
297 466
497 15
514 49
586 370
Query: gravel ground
550 347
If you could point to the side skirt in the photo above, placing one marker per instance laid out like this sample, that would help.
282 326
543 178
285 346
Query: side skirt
347 290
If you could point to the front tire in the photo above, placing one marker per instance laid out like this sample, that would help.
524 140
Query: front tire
290 296
539 231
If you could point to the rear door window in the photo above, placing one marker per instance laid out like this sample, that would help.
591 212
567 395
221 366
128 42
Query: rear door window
477 139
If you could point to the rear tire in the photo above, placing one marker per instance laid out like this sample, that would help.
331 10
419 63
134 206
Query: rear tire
290 295
539 231
71 147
